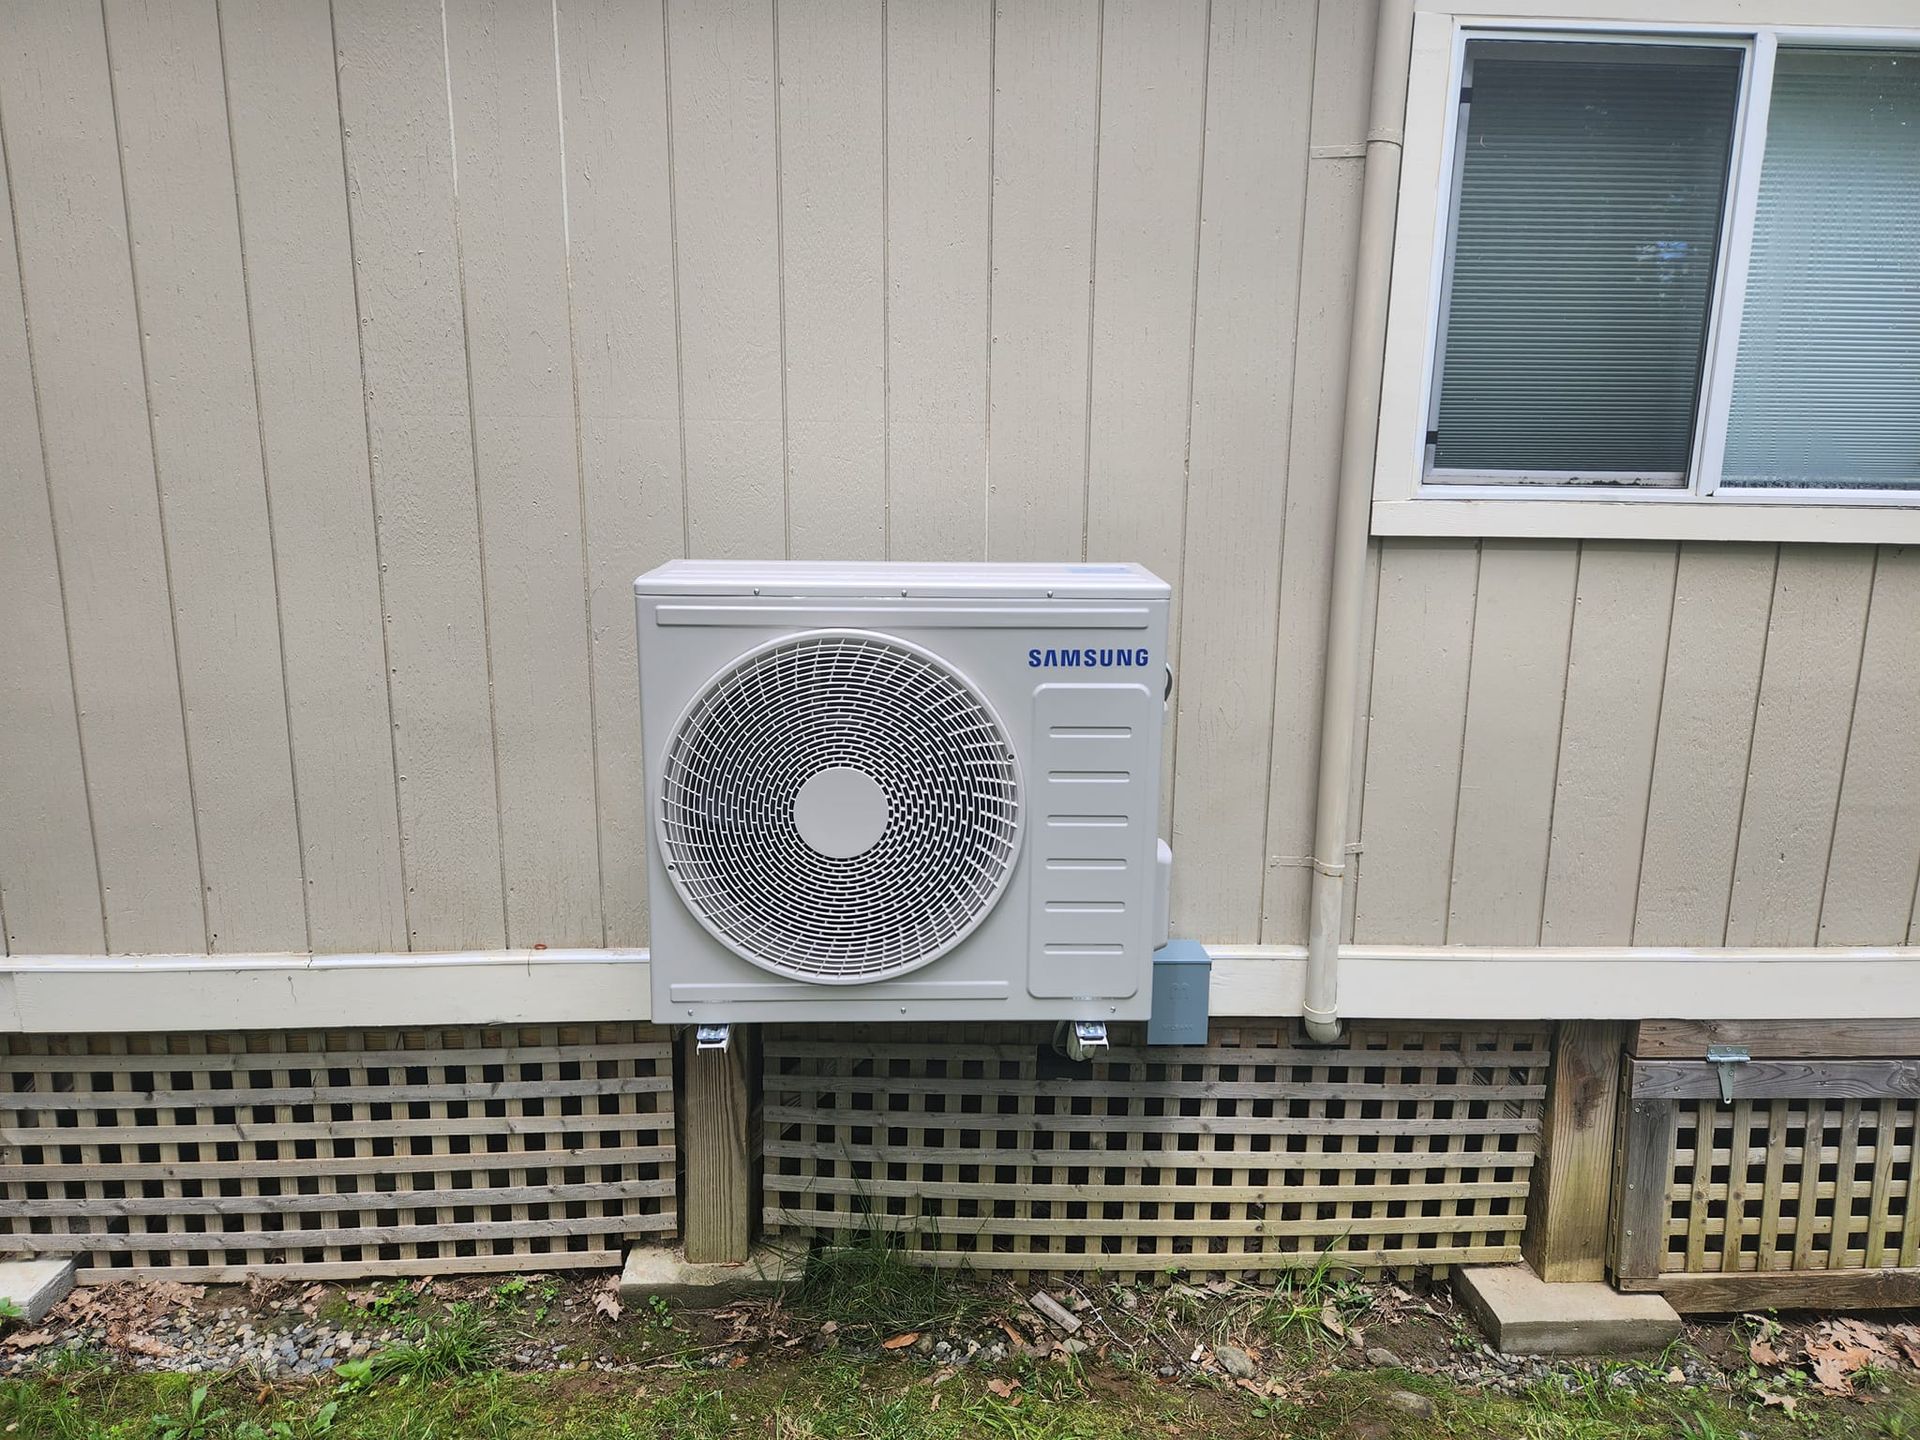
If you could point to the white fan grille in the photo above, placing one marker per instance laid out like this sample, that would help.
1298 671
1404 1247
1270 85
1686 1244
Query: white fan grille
835 701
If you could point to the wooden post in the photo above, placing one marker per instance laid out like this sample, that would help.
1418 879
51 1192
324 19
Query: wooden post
1646 1160
718 1147
1572 1186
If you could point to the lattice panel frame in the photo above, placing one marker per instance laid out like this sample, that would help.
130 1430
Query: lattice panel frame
337 1154
1785 1185
1409 1147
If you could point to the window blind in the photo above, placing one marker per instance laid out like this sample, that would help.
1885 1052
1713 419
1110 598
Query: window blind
1826 390
1591 184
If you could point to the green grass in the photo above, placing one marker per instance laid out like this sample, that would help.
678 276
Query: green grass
867 1287
458 1343
837 1398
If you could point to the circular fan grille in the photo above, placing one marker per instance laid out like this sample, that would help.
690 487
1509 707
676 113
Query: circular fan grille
839 807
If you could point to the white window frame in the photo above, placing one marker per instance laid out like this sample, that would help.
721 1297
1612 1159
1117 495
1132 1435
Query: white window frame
1407 500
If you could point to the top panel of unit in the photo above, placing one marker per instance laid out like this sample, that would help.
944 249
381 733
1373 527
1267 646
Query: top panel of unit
878 579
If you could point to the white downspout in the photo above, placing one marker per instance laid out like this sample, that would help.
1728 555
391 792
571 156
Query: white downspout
1386 118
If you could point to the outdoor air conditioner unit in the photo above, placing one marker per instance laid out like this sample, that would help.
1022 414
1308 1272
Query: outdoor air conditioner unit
903 791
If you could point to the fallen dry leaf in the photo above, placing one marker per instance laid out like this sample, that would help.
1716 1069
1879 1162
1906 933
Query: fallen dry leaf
900 1341
1833 1370
1840 1349
27 1339
1330 1321
1761 1352
607 1302
1851 1331
1788 1403
1003 1388
1907 1337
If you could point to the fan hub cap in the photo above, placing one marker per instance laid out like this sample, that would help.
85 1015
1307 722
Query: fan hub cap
841 812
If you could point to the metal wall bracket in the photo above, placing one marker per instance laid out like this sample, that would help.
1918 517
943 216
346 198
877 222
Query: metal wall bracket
1086 1038
1724 1058
711 1037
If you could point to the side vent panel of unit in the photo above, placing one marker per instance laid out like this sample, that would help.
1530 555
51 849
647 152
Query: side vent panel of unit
1092 826
839 807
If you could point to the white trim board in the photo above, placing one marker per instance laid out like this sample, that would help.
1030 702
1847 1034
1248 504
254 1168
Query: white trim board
56 994
107 993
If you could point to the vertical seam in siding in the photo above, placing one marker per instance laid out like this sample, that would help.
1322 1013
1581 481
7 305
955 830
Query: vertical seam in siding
1460 757
780 280
1846 748
1653 758
1093 270
1560 734
580 474
1559 742
993 187
1193 330
1356 842
159 496
473 460
1913 908
886 293
59 564
1659 705
266 482
373 489
673 246
1286 482
1753 726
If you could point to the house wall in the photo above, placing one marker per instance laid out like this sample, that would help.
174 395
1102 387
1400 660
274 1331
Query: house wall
1615 743
354 359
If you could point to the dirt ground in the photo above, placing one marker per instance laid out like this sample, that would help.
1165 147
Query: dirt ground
869 1347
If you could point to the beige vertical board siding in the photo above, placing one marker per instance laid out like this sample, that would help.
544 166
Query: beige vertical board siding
725 114
49 885
513 259
1046 126
833 224
1343 57
1800 734
1153 61
56 107
393 88
939 206
1721 598
291 190
620 246
1259 94
1523 621
1615 672
1422 653
188 283
1876 834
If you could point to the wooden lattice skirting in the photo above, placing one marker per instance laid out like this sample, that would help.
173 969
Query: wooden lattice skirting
336 1154
1799 1192
979 1147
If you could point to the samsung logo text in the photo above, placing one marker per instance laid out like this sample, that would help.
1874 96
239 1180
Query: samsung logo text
1101 658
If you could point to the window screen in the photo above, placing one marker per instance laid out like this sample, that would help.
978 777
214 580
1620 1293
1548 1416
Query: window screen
1826 391
1591 181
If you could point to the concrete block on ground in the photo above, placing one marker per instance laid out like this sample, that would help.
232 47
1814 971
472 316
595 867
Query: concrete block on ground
658 1270
1524 1315
35 1286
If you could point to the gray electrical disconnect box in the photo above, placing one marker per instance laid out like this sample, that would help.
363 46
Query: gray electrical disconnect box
1182 974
